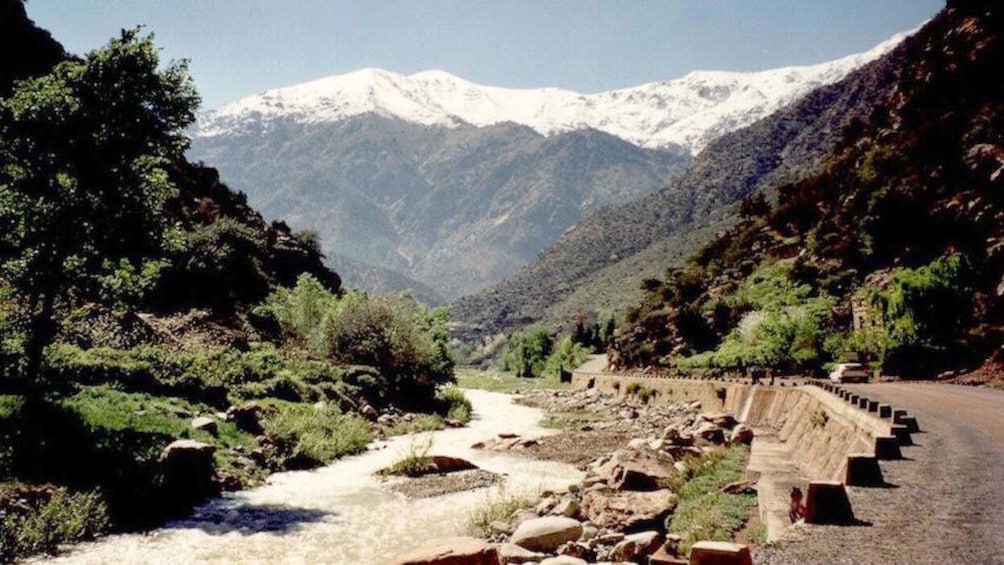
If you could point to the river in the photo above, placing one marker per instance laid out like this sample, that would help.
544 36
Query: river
342 513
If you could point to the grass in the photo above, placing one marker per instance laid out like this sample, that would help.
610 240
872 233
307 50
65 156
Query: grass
504 381
307 436
643 392
415 461
457 406
48 521
421 423
499 504
703 512
572 419
758 534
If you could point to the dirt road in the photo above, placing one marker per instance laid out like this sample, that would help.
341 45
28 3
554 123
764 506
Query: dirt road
946 502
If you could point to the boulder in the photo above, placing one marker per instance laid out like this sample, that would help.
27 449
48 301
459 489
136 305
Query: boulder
630 511
246 417
637 470
546 534
188 471
446 464
205 424
512 553
564 560
741 434
368 412
710 433
637 545
452 551
721 420
567 507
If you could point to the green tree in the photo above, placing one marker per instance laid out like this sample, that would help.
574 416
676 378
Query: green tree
85 152
527 351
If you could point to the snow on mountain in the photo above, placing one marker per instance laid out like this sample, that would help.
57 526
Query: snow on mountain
690 111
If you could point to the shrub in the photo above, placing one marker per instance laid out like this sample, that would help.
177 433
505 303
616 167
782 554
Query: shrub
527 352
407 343
306 436
55 518
567 355
454 404
498 504
415 462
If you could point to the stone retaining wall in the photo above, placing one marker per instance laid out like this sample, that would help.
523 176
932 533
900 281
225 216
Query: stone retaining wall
821 430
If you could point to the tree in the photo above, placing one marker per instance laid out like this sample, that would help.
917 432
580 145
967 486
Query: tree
527 351
84 182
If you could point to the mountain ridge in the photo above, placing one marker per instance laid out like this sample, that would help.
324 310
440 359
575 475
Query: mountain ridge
689 111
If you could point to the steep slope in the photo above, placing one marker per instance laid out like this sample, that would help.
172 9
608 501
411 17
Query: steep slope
787 145
356 274
690 111
455 208
38 51
905 221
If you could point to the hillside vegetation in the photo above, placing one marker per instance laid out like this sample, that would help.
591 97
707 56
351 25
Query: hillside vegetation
142 302
611 251
905 220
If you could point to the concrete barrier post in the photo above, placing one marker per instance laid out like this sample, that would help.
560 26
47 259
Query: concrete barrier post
887 448
827 503
873 405
910 422
863 470
862 402
885 411
720 553
902 434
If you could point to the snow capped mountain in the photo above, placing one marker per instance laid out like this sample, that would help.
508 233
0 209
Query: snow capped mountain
690 111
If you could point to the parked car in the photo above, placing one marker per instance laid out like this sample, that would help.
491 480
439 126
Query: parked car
849 373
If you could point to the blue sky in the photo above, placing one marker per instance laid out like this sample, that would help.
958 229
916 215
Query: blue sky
242 47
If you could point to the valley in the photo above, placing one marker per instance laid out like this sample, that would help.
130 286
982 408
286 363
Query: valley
735 317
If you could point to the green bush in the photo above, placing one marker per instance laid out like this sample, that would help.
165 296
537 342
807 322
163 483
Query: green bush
406 342
59 518
784 327
415 461
527 352
498 505
922 311
217 377
454 404
306 436
567 356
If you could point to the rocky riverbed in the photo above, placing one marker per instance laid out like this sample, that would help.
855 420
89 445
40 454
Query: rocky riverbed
635 456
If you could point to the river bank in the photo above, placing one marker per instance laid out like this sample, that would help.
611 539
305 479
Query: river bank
342 513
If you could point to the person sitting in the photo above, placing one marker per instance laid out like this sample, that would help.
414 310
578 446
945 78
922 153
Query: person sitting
796 511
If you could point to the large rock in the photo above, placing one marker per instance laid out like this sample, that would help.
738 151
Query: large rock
741 434
446 464
564 560
637 545
631 511
639 469
188 471
246 417
546 534
512 553
452 551
205 424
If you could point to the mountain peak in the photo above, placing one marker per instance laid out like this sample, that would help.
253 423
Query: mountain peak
690 111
